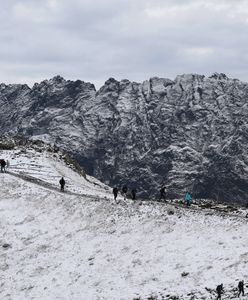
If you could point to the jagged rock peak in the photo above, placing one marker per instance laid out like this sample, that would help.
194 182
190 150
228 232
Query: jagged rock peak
125 82
110 81
189 78
219 76
57 79
110 85
13 86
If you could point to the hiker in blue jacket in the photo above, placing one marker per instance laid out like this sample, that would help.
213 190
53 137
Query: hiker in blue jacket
187 198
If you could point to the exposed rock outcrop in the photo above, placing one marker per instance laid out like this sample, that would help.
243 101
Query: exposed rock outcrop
190 133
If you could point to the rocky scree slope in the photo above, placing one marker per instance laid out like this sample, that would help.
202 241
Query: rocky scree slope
188 133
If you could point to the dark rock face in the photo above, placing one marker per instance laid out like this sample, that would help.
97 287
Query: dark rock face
189 134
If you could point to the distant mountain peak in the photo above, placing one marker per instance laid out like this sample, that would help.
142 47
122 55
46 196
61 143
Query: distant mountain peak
188 133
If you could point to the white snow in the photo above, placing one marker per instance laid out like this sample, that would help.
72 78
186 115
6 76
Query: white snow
81 245
50 168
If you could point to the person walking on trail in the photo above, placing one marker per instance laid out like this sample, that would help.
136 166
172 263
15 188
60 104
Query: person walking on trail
7 164
241 288
124 191
62 184
219 291
187 198
133 192
115 192
162 193
3 165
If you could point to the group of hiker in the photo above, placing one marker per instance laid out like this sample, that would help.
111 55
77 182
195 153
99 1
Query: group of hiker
162 191
4 165
187 196
220 289
124 192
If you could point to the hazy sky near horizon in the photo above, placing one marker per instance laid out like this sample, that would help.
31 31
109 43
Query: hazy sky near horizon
93 40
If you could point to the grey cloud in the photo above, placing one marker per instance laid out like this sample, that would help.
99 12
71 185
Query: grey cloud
93 40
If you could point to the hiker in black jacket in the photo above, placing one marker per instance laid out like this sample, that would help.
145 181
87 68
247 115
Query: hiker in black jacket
62 184
241 288
115 192
3 165
124 191
133 192
219 291
162 193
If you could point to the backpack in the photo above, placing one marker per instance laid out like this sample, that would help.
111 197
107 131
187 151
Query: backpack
241 284
62 181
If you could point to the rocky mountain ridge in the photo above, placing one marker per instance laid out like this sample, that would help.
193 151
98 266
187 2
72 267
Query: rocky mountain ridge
189 133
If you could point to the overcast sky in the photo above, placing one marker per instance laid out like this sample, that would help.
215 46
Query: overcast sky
93 40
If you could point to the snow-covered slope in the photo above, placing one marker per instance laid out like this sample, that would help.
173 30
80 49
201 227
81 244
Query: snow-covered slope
46 169
81 245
